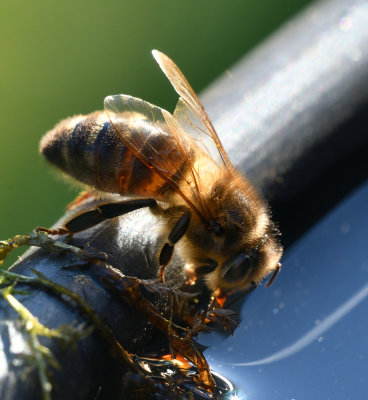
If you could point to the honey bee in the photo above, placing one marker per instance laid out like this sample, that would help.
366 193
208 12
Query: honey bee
176 165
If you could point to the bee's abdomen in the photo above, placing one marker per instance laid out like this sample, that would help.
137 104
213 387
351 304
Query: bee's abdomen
88 149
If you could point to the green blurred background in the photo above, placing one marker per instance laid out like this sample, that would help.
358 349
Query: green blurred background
63 58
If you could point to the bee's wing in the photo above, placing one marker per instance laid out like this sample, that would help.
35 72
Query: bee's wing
190 112
193 126
154 137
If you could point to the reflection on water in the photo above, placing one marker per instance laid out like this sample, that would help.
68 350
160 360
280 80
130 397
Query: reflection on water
319 298
181 382
314 333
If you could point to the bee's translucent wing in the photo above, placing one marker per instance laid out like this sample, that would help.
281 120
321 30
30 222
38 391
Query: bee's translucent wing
155 138
190 111
193 126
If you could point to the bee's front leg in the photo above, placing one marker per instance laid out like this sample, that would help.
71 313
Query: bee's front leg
175 235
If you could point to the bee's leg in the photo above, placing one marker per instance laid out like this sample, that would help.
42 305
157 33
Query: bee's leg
175 235
203 270
56 231
103 212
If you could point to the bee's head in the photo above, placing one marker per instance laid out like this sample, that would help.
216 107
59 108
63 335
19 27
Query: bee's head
246 242
246 267
238 245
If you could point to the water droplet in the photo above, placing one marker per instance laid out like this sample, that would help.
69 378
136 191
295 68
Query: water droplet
345 228
345 24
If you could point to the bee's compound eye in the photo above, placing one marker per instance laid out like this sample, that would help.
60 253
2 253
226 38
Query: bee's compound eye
237 267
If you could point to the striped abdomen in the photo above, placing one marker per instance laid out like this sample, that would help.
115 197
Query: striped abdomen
88 149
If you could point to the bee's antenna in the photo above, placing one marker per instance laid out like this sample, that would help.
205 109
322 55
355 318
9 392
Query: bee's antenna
274 274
